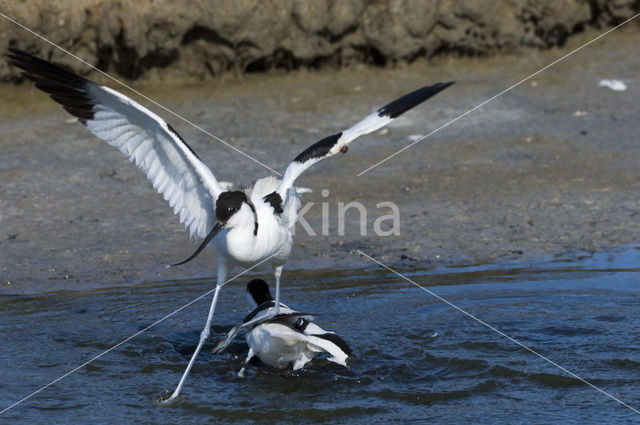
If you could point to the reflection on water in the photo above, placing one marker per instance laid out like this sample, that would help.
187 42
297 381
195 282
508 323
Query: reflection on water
416 358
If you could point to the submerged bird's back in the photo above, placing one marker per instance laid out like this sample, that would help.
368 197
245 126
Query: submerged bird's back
280 346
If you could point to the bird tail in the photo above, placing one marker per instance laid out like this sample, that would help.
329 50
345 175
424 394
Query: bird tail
332 344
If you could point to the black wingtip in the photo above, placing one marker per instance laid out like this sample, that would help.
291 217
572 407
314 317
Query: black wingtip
32 66
63 85
410 100
14 53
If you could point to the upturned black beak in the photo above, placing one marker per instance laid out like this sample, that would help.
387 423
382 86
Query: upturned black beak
212 234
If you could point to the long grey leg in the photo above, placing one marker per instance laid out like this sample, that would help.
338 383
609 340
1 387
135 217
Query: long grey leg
277 272
222 345
222 277
231 335
249 357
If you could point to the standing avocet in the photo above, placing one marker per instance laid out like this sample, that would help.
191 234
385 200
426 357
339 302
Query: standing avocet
253 229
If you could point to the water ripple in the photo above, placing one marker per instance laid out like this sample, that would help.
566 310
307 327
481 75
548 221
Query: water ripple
410 350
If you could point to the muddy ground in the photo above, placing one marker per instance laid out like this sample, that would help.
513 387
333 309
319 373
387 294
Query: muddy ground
551 167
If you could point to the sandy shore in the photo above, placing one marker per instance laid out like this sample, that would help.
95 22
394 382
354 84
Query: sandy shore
549 168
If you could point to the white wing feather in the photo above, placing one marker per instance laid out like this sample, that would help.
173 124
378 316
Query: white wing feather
172 167
339 142
145 138
368 125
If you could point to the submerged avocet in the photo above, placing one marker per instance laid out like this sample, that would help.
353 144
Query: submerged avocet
290 339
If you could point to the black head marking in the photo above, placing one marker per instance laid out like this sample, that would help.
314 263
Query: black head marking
255 219
408 101
255 216
275 200
319 149
228 204
259 290
301 324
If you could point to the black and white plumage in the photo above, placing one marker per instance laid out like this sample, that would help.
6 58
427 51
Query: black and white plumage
254 226
339 142
146 139
290 339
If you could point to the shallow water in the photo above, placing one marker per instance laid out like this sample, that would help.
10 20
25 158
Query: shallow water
416 358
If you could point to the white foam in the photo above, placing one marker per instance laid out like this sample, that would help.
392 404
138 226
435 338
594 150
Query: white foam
615 85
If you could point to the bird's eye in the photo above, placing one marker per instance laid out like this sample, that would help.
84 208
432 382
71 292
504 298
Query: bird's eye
231 209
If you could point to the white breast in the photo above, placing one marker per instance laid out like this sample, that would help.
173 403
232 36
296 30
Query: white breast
273 237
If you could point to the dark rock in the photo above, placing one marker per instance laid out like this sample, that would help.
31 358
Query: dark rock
204 38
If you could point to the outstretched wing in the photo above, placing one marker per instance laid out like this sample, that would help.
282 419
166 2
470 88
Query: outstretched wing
336 143
146 139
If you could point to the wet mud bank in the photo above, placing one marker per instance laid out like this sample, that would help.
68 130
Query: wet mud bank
549 167
169 40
